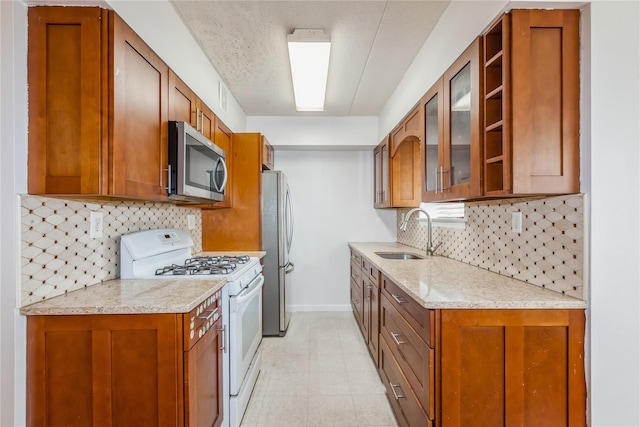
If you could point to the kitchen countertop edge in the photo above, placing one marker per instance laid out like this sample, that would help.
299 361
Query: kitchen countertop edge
129 296
459 285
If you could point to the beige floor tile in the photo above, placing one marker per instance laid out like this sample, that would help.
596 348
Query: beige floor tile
325 362
365 383
319 374
283 411
322 383
288 384
252 413
292 362
373 410
359 362
327 411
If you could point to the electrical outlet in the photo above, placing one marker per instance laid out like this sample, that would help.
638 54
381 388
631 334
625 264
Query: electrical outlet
191 222
516 222
95 225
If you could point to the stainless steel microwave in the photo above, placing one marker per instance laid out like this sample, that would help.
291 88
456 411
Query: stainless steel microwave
197 167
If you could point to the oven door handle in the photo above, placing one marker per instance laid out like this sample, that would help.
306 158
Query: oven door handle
249 292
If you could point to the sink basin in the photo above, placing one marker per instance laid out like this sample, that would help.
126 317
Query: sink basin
398 255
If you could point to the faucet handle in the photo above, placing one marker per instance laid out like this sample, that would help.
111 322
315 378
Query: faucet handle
433 249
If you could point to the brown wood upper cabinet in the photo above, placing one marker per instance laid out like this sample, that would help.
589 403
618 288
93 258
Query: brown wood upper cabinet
405 177
532 103
381 188
268 155
240 227
451 153
98 98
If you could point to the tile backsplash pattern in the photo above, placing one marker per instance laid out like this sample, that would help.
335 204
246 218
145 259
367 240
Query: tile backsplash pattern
548 253
57 254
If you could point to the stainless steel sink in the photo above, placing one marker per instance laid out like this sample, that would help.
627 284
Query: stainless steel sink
398 255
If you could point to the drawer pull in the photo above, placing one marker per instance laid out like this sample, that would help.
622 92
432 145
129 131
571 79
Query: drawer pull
393 390
398 299
395 338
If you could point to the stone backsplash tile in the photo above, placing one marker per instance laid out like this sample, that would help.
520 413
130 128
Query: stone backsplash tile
548 253
57 254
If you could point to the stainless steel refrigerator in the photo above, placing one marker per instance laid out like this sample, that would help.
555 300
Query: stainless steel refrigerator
277 234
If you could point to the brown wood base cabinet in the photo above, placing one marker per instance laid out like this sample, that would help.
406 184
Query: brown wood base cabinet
122 370
365 301
475 367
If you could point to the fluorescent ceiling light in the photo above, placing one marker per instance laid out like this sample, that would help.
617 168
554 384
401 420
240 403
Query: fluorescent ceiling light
309 57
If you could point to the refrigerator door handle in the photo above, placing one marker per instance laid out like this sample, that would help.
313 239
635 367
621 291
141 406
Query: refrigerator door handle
289 268
289 221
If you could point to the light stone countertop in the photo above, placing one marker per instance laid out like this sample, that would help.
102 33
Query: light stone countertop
136 296
439 282
130 296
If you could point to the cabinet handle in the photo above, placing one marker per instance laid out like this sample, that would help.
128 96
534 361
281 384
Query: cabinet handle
354 301
435 173
167 188
210 315
369 287
223 346
393 390
398 299
395 338
442 172
198 119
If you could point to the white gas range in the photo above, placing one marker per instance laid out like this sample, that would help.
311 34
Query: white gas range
167 253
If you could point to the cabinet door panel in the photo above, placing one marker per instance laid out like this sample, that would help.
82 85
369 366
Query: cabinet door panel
182 101
432 153
203 380
526 366
462 137
545 85
140 118
67 111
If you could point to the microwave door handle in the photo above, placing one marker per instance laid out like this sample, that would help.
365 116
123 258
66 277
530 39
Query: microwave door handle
226 174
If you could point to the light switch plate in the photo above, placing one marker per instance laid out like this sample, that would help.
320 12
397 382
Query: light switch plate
516 222
95 225
191 222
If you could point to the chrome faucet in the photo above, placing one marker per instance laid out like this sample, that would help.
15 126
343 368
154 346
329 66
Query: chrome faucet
403 227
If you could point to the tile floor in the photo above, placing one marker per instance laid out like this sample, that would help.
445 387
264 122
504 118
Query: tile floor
320 374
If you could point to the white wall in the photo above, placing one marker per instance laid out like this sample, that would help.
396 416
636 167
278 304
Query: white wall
13 136
615 213
317 133
161 27
333 204
458 26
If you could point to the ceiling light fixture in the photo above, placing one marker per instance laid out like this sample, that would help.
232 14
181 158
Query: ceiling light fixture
309 57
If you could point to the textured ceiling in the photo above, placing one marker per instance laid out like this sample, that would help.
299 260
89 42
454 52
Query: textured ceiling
373 44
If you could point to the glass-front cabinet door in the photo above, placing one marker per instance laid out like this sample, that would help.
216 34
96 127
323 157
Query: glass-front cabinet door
381 194
461 168
432 154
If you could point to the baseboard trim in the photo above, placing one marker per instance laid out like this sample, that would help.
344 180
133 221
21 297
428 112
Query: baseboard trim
335 307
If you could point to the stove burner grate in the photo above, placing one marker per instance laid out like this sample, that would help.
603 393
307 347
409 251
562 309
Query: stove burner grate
203 266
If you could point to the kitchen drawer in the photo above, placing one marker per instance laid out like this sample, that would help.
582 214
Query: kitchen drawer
408 411
357 303
356 260
418 317
413 356
371 271
356 273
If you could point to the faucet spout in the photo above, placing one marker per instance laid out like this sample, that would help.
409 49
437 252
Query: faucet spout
403 227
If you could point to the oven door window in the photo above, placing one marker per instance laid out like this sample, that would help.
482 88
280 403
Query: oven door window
205 169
